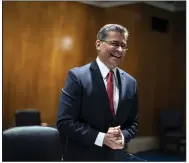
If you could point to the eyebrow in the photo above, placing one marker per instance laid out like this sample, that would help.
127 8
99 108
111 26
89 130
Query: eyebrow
116 41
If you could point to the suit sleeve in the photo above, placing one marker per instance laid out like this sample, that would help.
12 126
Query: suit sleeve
69 110
130 128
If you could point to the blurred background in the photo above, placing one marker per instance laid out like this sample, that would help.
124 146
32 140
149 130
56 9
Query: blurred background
43 40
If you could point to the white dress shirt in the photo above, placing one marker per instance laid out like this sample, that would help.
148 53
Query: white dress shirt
104 71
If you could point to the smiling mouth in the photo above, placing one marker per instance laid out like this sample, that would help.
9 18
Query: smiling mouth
114 56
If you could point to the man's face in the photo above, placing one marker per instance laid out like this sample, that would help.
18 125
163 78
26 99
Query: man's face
112 49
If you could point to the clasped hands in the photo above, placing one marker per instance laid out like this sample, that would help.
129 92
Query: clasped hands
114 138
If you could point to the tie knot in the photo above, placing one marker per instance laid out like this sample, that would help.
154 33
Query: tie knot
110 74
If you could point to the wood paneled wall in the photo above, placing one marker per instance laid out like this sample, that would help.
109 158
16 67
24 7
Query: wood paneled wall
35 65
178 69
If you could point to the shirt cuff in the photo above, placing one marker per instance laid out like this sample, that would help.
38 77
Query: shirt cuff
99 139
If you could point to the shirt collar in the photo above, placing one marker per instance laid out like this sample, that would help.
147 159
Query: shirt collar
103 68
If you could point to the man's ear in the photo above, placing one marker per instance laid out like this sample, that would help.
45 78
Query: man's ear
98 45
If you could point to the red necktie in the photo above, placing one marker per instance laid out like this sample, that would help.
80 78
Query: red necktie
110 91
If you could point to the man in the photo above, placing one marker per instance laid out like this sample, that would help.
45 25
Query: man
98 109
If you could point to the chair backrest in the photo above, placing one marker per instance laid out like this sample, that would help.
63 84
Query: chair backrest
31 143
170 118
27 117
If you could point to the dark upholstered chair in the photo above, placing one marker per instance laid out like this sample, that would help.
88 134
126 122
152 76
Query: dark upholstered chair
171 129
31 143
27 117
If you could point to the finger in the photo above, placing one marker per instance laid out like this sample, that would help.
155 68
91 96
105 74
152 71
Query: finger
119 132
119 138
111 129
115 139
118 142
117 127
114 131
112 139
114 128
110 135
116 134
116 145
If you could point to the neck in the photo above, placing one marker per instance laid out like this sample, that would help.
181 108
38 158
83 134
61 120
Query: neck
107 65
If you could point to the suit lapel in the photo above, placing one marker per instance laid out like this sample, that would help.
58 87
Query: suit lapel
98 84
122 86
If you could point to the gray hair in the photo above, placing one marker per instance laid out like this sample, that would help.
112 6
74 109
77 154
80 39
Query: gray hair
103 33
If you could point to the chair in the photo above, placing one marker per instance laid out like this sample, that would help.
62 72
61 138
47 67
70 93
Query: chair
171 129
27 117
31 143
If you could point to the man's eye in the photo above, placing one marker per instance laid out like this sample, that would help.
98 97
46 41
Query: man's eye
124 46
114 44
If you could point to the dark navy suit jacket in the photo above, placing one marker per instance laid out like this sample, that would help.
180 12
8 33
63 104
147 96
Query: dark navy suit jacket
84 111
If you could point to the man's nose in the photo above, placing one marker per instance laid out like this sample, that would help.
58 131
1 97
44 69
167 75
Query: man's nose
120 49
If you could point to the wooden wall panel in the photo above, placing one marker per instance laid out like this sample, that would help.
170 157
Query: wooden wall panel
155 64
178 77
35 64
